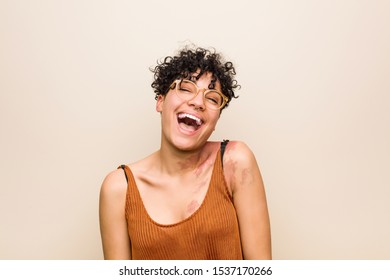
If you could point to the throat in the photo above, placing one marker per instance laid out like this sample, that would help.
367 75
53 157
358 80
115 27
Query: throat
194 162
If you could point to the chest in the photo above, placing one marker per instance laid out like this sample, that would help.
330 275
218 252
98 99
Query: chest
210 232
171 200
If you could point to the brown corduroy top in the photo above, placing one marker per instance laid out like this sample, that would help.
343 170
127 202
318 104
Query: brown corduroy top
211 232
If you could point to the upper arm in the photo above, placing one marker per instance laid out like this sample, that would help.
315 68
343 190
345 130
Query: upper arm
113 224
246 184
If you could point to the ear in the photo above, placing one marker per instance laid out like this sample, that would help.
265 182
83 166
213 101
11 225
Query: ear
159 103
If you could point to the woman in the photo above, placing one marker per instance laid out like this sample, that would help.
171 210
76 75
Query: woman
193 198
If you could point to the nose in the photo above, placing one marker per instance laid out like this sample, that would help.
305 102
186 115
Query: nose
198 100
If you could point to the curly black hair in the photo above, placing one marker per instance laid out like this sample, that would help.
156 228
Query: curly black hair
189 61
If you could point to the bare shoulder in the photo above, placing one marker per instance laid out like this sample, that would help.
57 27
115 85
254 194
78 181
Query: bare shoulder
240 165
114 184
239 154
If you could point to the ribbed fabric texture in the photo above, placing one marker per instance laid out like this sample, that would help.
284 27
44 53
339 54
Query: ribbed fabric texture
210 233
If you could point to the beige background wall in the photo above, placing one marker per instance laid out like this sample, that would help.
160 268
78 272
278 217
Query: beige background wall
75 102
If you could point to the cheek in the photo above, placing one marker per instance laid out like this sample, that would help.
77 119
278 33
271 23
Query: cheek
214 120
169 102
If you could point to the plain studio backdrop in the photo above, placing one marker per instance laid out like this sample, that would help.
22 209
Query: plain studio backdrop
76 102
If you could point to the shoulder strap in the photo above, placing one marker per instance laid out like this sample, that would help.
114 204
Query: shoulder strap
223 146
123 167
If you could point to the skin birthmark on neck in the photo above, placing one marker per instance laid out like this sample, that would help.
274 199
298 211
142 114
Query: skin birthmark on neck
186 164
203 167
192 207
190 163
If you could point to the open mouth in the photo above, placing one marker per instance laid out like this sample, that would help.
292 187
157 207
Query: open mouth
189 122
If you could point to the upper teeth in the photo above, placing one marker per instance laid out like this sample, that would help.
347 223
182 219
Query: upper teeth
185 115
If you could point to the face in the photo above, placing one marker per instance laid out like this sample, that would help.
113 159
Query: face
187 125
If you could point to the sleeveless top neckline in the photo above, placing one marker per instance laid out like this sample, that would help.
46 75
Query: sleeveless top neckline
210 233
130 176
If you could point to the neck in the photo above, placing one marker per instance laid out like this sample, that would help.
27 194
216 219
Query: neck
177 162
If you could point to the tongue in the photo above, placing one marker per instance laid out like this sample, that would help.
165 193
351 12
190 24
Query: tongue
187 127
188 124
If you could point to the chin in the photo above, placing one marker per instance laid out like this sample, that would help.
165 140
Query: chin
186 144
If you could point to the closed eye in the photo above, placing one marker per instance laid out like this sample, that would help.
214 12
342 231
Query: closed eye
184 89
212 100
